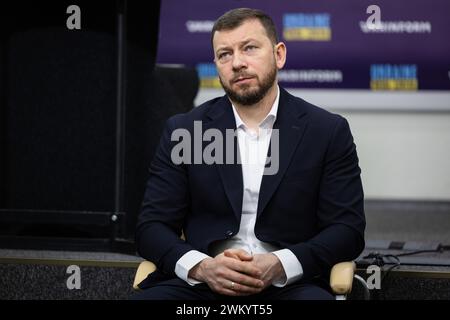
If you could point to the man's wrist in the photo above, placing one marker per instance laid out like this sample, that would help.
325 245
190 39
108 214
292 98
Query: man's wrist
279 275
291 266
196 272
186 263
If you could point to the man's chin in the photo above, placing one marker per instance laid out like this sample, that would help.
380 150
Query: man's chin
247 99
244 94
246 90
244 87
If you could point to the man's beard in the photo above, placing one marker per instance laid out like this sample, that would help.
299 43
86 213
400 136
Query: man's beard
251 96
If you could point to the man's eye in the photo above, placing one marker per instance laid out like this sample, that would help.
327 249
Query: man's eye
250 48
224 55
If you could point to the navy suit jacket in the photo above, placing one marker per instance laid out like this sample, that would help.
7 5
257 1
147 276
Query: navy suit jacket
312 206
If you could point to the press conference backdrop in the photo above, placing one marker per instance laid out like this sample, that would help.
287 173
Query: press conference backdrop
330 44
391 82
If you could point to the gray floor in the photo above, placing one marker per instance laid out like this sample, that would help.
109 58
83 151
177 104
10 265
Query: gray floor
49 282
41 274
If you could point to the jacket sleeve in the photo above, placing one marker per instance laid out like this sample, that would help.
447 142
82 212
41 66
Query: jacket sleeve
165 204
341 219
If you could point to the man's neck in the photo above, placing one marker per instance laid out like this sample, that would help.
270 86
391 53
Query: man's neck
253 115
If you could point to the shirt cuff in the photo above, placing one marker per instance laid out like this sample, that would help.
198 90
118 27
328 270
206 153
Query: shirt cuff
186 263
292 267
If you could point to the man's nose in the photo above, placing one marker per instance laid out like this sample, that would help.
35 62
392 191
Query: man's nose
239 61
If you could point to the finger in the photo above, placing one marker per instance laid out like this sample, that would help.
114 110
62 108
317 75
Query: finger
225 287
222 289
231 255
238 254
232 288
244 267
245 290
244 280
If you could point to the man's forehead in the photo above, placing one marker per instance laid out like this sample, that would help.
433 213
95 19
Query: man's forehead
249 29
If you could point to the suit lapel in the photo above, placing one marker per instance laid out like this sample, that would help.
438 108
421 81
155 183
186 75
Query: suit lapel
291 125
221 117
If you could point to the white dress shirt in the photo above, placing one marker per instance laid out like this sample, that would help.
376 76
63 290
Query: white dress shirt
253 147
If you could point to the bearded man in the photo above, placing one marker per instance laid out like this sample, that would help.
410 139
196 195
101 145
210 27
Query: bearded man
248 232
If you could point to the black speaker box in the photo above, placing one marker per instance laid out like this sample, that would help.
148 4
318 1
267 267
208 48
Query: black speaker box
81 115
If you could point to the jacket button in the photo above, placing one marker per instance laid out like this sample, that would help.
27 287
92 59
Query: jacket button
229 233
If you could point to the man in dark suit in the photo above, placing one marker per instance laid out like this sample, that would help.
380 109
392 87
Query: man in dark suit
267 215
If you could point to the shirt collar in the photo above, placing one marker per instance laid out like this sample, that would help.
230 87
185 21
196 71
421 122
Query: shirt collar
268 121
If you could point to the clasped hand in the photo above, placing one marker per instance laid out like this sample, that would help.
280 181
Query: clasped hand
237 273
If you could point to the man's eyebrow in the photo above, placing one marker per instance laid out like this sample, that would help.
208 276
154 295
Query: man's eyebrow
241 44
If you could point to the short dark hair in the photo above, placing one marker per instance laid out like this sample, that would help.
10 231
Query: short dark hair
236 17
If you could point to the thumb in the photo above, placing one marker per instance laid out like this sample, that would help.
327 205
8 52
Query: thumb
238 254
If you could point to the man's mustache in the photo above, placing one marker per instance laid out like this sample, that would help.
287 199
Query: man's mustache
241 76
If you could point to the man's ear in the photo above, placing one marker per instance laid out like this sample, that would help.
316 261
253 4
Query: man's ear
280 55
